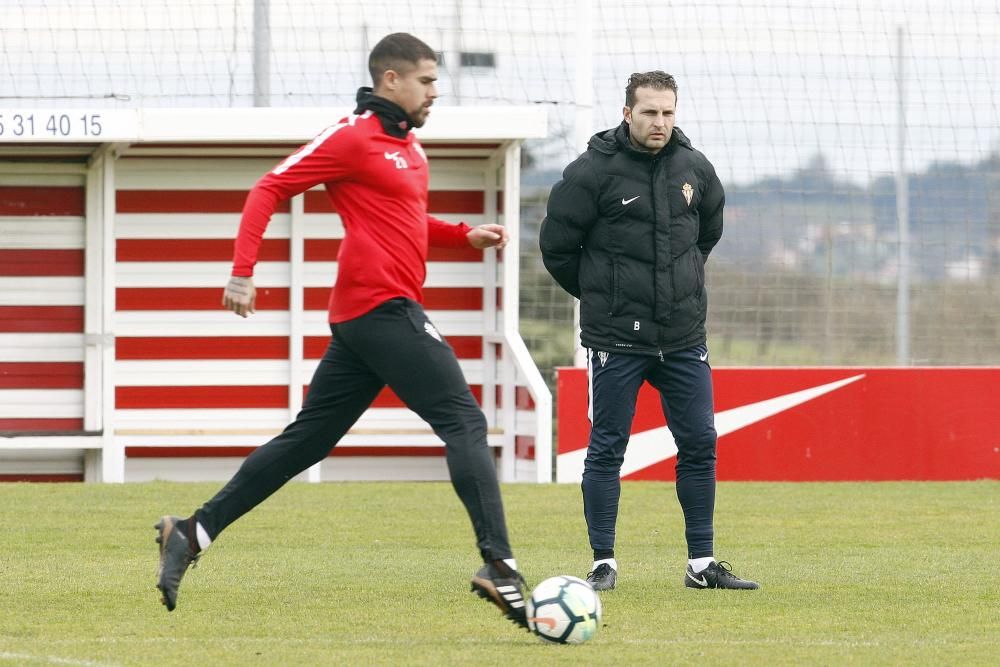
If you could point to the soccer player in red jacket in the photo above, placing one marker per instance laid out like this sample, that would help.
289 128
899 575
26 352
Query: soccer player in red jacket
376 176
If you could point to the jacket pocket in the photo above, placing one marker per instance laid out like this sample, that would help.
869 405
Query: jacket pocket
701 292
699 269
614 287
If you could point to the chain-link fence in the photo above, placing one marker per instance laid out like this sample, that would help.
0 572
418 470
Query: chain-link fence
799 105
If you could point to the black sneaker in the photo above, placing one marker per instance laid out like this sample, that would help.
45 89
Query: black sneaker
717 575
496 582
603 577
176 554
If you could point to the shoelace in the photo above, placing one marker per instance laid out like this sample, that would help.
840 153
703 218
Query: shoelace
726 569
600 572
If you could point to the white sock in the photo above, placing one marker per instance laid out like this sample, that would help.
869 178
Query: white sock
610 561
699 564
511 563
202 536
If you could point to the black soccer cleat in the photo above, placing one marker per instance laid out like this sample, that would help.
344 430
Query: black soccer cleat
176 554
496 582
603 577
717 575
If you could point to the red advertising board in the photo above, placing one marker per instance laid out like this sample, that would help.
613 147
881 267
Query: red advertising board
815 424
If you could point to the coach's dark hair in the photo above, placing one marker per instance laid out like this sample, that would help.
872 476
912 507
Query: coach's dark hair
394 52
656 80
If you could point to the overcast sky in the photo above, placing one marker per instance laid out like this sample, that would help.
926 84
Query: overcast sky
764 86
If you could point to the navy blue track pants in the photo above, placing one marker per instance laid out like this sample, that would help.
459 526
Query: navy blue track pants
684 381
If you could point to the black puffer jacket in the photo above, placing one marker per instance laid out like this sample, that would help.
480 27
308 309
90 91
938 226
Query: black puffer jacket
628 233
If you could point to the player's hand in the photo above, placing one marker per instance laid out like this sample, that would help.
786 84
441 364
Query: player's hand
240 296
488 236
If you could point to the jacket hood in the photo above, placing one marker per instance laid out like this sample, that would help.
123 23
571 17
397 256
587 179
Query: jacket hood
395 121
616 140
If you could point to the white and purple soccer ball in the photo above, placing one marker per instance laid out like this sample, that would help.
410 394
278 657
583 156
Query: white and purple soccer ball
564 610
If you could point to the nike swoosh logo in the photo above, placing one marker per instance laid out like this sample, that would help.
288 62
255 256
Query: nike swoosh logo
703 357
701 582
646 448
626 202
544 620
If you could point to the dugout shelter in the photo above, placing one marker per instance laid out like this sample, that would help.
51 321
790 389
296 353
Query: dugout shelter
117 362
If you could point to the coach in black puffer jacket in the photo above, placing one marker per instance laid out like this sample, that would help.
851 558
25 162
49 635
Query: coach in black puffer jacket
628 232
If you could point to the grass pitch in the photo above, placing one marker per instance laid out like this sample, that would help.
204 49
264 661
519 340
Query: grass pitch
377 574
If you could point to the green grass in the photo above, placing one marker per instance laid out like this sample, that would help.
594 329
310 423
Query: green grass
377 574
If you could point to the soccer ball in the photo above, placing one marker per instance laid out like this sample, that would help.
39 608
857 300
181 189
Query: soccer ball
564 609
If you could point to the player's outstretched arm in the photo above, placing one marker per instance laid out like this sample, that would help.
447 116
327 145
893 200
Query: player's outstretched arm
240 295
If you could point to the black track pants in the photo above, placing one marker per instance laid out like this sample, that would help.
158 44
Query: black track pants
684 380
395 345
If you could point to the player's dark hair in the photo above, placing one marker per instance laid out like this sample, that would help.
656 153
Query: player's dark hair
656 80
400 52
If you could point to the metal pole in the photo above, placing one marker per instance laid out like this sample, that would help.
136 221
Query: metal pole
583 86
261 53
456 70
365 50
902 222
828 350
584 121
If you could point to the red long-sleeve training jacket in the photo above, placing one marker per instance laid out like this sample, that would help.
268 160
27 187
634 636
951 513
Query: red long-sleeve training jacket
378 185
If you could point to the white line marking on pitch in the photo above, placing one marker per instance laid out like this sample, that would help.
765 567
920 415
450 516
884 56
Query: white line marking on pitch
51 660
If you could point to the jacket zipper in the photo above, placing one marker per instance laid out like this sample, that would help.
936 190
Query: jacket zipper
614 286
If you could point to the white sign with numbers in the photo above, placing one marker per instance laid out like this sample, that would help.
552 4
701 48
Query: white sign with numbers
42 125
247 124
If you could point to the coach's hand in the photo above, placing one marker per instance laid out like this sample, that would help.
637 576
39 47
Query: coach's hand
487 236
240 296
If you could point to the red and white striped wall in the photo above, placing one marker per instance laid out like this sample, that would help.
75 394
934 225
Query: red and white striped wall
163 383
41 302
